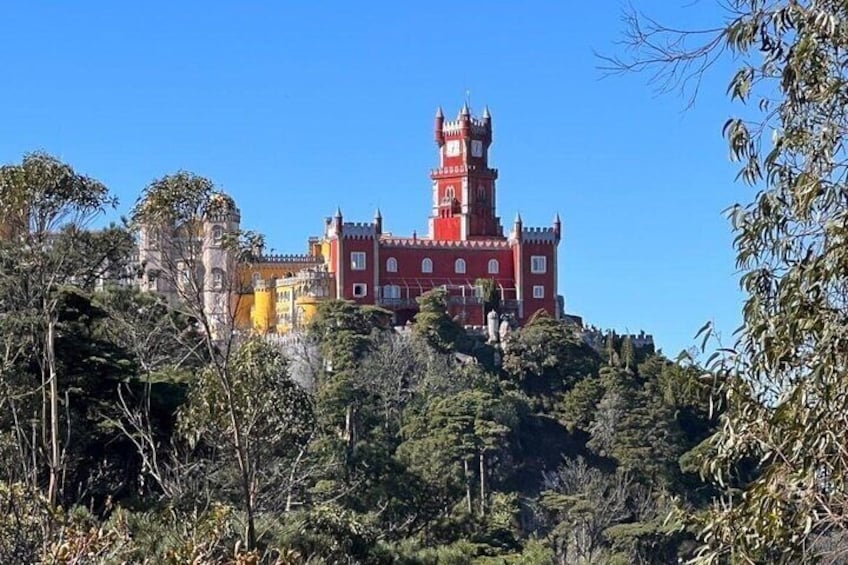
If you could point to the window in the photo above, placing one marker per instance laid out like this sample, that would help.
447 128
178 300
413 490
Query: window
427 265
360 289
449 193
538 264
459 266
257 277
357 260
538 291
391 291
182 273
217 234
217 279
476 148
494 267
391 265
153 239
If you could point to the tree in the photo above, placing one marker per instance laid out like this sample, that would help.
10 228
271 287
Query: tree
45 205
580 503
546 356
453 433
628 353
489 294
178 212
275 419
433 323
785 376
165 348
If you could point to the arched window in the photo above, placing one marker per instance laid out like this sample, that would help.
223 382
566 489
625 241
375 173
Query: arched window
256 278
494 267
427 265
459 266
153 239
182 272
449 193
391 265
217 234
217 279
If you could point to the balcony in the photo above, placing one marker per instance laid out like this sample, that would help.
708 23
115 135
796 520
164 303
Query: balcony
397 303
464 301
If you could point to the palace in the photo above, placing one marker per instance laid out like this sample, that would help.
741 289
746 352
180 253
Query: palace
361 262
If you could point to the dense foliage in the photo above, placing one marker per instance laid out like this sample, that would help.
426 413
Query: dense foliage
782 384
130 434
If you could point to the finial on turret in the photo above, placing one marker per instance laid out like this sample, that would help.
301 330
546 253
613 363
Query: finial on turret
378 215
518 218
486 114
556 219
439 114
465 111
338 212
557 225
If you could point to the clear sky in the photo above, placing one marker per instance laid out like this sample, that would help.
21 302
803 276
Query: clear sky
297 107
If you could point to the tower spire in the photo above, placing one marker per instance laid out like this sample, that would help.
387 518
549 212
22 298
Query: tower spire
439 127
378 221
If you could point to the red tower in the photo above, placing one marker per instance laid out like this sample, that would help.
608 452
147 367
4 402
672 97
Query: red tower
466 243
464 184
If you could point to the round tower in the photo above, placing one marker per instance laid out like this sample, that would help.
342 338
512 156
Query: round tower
440 127
220 277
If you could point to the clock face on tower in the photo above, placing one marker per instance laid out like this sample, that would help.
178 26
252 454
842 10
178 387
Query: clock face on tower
476 148
453 148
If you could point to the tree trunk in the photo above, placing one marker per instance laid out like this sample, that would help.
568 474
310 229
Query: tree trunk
242 457
350 429
55 463
482 483
243 463
467 485
293 472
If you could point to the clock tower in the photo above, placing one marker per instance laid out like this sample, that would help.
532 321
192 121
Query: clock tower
464 184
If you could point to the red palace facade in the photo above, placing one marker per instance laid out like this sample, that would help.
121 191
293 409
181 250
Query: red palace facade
466 242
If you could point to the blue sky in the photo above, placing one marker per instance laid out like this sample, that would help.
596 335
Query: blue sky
295 108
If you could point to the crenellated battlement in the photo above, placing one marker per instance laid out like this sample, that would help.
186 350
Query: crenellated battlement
477 125
359 230
303 275
447 244
462 169
222 217
289 258
536 235
597 338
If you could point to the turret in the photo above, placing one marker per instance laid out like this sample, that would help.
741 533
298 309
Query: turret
439 127
378 222
338 221
557 226
465 120
487 122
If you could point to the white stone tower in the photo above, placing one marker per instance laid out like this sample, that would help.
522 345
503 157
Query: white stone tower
219 262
